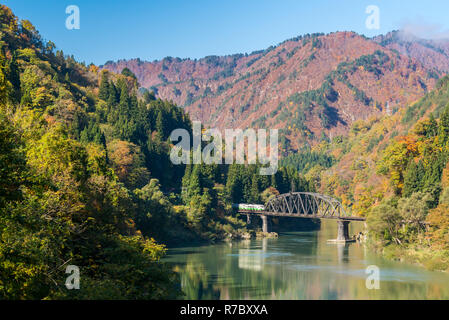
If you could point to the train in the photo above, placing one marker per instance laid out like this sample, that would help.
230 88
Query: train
248 207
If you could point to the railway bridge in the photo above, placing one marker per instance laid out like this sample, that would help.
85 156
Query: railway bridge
302 205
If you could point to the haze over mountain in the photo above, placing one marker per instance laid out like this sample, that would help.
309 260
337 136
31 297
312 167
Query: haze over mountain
433 54
308 86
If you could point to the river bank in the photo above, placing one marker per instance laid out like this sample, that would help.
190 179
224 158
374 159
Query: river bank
424 256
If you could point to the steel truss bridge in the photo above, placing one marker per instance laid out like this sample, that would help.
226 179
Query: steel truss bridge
306 205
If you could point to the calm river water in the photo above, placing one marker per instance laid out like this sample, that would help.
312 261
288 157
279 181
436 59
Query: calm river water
299 265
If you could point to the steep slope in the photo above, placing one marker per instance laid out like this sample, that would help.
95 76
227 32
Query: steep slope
373 160
308 86
394 170
60 197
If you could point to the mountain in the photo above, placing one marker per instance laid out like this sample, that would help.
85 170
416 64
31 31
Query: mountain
309 86
433 54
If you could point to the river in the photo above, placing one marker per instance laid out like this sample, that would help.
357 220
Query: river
299 265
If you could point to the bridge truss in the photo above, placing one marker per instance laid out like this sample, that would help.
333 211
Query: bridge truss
307 205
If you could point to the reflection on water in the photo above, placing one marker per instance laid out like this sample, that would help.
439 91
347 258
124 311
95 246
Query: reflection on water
252 259
299 265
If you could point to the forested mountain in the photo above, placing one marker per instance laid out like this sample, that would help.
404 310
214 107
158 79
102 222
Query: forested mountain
86 178
311 87
394 170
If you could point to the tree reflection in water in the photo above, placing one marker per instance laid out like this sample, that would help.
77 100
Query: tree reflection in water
299 265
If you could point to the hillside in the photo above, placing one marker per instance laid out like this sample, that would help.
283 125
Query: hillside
86 179
68 188
365 171
308 85
394 171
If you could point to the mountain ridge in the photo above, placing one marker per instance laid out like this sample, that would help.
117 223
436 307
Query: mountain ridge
283 86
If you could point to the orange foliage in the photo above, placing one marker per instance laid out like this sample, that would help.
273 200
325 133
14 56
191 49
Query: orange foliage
445 177
438 219
410 142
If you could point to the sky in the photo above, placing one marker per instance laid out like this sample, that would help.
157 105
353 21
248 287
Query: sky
151 29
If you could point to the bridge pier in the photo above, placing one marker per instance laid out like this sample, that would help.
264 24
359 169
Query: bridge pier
343 231
248 219
264 224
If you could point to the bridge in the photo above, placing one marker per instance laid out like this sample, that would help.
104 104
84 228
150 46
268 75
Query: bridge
305 205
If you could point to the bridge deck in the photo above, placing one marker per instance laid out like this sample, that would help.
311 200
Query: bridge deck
303 216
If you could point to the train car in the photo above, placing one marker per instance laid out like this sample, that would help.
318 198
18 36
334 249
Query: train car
249 207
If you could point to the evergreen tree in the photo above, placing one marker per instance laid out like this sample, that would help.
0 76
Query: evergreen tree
99 138
104 90
413 178
234 186
274 182
84 136
264 181
195 182
432 130
186 184
124 101
432 177
112 98
160 125
443 128
14 78
255 194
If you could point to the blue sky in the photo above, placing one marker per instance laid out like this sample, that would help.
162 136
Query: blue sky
150 29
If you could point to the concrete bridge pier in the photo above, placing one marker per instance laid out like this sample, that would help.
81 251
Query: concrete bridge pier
343 231
248 219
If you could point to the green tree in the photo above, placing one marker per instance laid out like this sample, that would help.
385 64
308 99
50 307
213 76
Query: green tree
432 129
113 95
443 128
161 125
12 162
384 222
195 182
413 178
104 90
155 213
414 210
255 195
